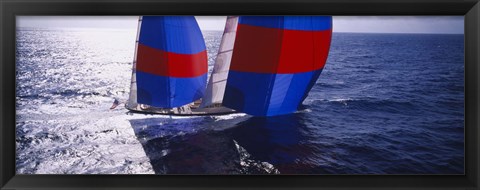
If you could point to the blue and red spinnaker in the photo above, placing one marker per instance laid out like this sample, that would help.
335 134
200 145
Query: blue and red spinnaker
276 61
171 67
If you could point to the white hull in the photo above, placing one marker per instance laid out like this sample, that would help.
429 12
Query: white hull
187 110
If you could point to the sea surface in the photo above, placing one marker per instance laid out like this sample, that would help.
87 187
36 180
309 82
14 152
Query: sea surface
384 104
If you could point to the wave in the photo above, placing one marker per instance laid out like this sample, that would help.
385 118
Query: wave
383 105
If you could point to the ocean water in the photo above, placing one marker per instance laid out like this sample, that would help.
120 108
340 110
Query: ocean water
384 104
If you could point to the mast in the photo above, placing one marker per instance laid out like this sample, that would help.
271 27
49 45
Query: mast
216 84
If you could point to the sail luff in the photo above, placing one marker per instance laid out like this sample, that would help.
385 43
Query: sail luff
216 84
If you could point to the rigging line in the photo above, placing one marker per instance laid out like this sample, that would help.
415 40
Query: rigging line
230 50
220 81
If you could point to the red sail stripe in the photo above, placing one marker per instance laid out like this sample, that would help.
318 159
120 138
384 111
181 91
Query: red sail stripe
159 62
271 50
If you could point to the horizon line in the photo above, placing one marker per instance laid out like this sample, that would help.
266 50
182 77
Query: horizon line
101 28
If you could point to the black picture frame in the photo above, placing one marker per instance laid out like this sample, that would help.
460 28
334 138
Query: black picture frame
11 8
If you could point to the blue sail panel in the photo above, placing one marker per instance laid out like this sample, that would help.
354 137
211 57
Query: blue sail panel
272 94
168 92
177 34
309 23
171 62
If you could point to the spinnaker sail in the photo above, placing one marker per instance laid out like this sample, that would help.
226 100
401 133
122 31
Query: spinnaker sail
171 62
218 79
276 61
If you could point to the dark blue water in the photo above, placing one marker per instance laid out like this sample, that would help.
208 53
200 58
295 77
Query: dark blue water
384 104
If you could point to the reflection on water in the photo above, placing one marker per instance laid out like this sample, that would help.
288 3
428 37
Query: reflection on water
206 152
246 145
276 140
